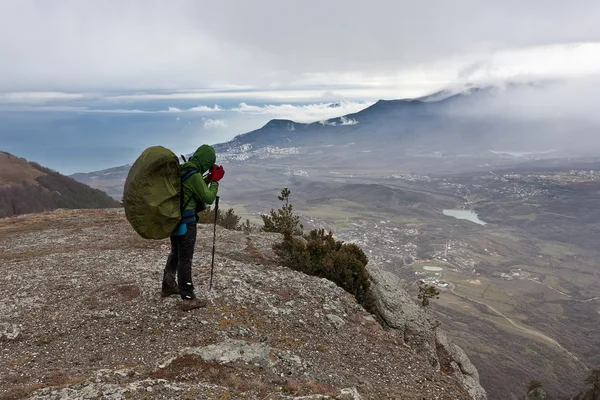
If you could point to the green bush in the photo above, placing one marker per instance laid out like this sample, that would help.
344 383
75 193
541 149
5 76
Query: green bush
534 384
282 220
319 254
248 227
227 219
427 292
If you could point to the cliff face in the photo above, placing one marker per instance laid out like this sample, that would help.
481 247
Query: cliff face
81 317
419 331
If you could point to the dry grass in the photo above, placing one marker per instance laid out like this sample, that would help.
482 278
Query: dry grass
253 253
16 170
57 379
307 388
129 291
122 291
194 368
21 392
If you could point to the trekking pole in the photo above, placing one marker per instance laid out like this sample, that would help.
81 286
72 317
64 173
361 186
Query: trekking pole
212 263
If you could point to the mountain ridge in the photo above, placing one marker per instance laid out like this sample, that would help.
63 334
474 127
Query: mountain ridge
27 187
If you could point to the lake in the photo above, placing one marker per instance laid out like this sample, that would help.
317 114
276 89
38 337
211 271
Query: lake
469 215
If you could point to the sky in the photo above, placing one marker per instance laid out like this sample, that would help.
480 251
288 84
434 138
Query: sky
87 84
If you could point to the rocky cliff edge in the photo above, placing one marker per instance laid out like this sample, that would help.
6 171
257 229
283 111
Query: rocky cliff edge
81 317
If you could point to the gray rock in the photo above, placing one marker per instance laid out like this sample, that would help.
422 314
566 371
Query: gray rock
350 394
235 350
462 367
9 331
400 312
338 322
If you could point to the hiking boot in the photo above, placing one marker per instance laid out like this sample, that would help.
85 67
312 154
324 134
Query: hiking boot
169 291
187 305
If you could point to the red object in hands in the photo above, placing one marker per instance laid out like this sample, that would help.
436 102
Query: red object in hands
217 173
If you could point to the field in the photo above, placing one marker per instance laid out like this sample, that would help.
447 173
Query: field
523 291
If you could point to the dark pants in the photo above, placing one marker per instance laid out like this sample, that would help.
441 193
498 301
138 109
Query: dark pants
180 263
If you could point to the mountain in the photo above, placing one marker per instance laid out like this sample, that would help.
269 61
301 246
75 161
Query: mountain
463 122
27 187
109 180
89 322
446 132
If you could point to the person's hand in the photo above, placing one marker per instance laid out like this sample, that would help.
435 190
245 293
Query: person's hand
217 173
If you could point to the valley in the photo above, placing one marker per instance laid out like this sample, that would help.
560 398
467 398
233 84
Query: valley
519 294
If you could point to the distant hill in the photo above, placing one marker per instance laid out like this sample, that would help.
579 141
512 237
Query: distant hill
110 181
27 187
462 122
445 132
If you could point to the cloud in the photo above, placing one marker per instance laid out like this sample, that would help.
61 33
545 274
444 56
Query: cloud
38 97
536 63
568 101
348 121
155 45
556 61
193 109
210 123
205 108
303 113
293 95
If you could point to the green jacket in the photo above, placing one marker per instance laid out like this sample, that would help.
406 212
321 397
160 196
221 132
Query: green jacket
195 186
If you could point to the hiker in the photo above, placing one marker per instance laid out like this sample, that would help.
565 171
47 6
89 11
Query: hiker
197 191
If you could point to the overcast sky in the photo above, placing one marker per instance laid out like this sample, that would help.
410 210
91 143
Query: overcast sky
183 72
354 48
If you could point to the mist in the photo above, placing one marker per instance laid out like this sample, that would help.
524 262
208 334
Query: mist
557 115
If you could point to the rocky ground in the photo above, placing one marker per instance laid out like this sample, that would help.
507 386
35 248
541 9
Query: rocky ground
81 317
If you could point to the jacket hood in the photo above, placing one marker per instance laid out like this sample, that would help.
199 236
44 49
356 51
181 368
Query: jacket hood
203 159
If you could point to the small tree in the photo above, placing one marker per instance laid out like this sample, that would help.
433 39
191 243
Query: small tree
594 380
534 384
427 292
247 227
15 209
283 220
229 220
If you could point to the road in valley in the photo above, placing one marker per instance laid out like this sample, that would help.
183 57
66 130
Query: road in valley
521 328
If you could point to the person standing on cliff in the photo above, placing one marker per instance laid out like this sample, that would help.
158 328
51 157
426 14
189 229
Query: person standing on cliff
197 192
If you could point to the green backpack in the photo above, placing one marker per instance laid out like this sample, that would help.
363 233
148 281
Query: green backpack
152 196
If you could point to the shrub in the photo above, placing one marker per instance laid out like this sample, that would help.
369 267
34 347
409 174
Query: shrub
227 219
319 254
247 227
427 292
534 384
282 220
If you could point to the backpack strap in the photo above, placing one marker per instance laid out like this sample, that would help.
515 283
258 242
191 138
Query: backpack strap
183 179
188 174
